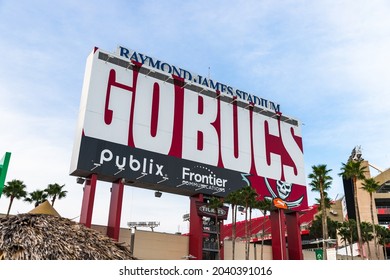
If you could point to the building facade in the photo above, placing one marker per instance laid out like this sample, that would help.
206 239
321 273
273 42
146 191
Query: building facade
380 204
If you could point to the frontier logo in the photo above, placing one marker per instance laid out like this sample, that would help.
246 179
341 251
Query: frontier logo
146 166
203 178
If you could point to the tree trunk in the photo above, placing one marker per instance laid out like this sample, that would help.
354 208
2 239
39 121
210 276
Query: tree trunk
250 230
324 225
351 247
351 243
234 220
10 204
246 233
359 233
53 200
262 240
373 227
369 250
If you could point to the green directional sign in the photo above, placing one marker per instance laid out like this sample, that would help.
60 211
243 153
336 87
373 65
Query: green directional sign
3 170
319 254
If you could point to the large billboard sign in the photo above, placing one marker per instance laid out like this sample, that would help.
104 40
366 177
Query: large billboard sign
157 126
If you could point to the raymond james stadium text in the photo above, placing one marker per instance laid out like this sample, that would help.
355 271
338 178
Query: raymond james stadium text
195 78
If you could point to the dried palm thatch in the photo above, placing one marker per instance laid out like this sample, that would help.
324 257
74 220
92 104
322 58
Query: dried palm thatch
47 237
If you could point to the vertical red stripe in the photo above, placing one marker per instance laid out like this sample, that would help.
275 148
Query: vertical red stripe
253 165
217 125
108 113
155 108
235 129
136 69
200 140
270 143
282 151
200 105
177 134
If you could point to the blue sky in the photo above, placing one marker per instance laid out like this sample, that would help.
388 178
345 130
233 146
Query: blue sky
327 63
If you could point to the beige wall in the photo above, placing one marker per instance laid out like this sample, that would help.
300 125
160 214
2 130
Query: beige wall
124 233
160 246
364 199
240 251
335 212
309 255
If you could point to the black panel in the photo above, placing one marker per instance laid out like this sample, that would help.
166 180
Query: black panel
348 191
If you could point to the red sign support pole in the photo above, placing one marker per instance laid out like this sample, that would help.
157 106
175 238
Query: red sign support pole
114 216
88 200
278 235
196 229
294 236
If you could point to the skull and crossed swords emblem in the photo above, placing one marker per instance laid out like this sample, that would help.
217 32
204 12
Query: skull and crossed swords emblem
284 190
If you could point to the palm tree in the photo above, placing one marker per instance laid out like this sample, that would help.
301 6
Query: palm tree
332 228
355 171
366 229
320 182
215 203
344 232
248 196
371 186
14 189
234 199
55 191
36 197
328 202
383 237
264 206
347 231
315 228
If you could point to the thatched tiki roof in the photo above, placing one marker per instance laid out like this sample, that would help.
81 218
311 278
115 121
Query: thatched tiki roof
47 237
